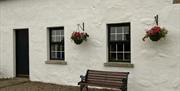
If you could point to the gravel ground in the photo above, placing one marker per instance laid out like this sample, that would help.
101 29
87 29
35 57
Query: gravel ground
26 85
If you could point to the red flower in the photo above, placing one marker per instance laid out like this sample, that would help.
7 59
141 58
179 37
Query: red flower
154 30
77 34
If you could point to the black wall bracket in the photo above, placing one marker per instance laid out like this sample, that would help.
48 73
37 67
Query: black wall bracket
81 26
156 19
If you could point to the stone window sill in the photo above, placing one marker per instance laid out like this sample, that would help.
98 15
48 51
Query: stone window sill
119 64
61 62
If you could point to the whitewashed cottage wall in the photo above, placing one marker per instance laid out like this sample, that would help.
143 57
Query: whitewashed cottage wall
156 64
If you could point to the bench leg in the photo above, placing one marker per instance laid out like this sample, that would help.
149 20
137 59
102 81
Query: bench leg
81 87
86 88
125 89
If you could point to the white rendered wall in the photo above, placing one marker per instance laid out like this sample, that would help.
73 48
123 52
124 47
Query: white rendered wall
157 65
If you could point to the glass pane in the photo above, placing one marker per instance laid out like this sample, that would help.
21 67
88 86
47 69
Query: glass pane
53 32
58 32
57 35
126 37
119 30
112 47
127 55
54 47
61 48
62 32
60 55
120 56
112 56
120 47
119 37
53 55
53 38
58 38
112 30
126 29
127 46
112 37
62 39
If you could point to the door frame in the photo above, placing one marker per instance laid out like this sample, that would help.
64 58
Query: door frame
14 50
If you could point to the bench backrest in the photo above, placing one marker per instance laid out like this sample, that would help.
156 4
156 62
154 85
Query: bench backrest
107 78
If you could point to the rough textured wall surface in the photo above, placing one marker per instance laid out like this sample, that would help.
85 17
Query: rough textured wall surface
157 65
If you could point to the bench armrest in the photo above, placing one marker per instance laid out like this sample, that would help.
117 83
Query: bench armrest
82 79
125 81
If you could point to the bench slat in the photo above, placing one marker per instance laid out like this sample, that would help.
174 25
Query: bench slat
105 84
107 72
105 78
104 81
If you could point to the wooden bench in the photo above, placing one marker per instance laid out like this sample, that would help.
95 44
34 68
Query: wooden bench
107 79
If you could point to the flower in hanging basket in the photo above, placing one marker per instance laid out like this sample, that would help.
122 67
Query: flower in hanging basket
155 33
79 37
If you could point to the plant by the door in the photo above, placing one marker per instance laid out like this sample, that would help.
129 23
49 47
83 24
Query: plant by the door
156 32
77 36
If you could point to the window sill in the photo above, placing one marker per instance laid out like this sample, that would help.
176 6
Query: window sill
119 64
61 62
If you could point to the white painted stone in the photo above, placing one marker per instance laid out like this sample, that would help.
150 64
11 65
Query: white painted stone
157 65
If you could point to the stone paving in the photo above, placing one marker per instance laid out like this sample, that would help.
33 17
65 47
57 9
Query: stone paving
23 84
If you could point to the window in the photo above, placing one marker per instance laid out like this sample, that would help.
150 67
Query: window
119 46
176 1
56 41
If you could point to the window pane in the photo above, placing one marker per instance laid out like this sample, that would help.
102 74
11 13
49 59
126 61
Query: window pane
112 47
57 35
120 47
119 37
53 32
54 47
112 30
59 39
126 29
126 37
112 56
127 55
127 46
120 55
53 38
119 30
57 47
58 32
60 55
61 48
112 38
62 32
62 39
53 55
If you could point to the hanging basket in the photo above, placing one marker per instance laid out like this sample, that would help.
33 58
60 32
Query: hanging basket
78 41
155 33
155 37
79 37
